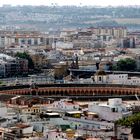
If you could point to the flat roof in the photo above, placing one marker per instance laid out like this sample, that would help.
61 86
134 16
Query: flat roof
74 112
15 97
92 113
52 114
93 139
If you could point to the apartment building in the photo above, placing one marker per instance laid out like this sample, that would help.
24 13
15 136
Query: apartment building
28 38
10 66
116 32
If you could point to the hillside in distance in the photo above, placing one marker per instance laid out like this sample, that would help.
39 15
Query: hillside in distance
58 17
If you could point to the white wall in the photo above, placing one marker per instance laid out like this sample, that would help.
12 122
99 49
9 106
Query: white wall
105 112
115 102
133 81
117 78
103 78
88 124
123 79
63 45
3 112
63 105
28 130
124 130
53 135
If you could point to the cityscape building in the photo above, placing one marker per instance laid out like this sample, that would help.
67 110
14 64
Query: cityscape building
69 73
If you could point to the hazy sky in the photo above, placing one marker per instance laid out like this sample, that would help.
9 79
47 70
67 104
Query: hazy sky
71 2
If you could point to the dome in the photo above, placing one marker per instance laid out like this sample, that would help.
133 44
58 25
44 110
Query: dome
100 72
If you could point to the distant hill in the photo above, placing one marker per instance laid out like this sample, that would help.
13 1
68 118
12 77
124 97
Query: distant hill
56 17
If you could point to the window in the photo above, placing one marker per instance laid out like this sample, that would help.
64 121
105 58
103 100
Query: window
35 42
100 78
23 41
29 41
113 109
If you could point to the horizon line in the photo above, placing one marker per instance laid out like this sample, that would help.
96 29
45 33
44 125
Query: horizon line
57 5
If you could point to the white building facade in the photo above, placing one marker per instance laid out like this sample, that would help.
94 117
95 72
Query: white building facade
111 111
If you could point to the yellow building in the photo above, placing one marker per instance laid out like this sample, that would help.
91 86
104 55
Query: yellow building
29 110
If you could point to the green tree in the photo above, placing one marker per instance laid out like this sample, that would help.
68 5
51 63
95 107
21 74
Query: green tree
26 56
126 64
132 121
